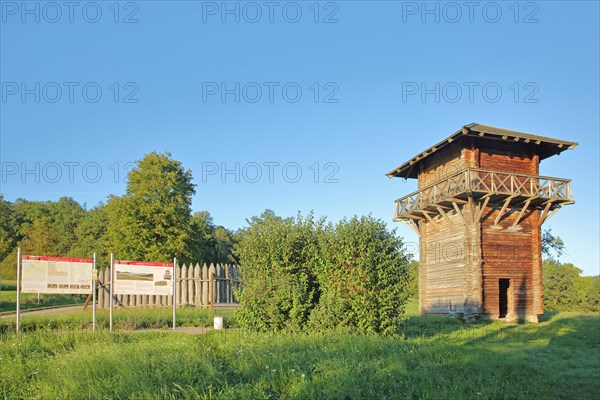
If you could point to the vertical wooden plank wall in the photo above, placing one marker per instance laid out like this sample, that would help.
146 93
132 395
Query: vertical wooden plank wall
196 286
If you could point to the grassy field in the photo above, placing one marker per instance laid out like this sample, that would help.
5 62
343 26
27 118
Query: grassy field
436 358
29 301
124 319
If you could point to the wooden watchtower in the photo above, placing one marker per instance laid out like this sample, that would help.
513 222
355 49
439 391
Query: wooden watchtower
478 213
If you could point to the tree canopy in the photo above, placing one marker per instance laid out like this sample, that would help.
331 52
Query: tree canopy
151 221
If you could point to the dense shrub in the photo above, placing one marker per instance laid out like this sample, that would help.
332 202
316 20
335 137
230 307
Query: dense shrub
302 274
278 258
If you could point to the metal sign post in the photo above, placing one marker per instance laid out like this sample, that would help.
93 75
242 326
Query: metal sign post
111 291
174 291
19 264
94 287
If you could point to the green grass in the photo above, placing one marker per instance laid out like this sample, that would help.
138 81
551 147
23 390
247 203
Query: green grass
436 358
29 301
123 319
8 284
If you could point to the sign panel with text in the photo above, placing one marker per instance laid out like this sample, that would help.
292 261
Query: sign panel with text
41 274
132 277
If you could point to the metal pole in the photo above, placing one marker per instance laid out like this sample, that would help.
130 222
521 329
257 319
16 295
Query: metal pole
111 291
94 286
174 290
19 264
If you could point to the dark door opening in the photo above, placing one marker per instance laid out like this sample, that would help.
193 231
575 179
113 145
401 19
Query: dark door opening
503 297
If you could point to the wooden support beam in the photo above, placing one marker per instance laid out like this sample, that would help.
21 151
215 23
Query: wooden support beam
482 209
411 224
531 198
457 200
443 214
503 209
458 211
431 220
472 209
550 215
525 206
544 213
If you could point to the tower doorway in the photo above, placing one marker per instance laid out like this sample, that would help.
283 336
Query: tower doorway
504 297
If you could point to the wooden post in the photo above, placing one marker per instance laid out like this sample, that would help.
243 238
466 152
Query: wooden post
19 266
190 284
174 292
211 284
205 285
182 296
197 286
101 288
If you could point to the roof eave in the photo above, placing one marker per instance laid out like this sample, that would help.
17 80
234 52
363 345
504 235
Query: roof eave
480 130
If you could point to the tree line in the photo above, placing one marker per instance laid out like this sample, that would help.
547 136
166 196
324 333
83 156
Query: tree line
151 221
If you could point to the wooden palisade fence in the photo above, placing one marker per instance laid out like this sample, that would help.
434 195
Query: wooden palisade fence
197 286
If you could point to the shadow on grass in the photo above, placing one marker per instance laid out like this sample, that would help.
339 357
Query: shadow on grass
498 366
547 316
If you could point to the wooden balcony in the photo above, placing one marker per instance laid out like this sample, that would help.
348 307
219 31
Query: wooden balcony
484 186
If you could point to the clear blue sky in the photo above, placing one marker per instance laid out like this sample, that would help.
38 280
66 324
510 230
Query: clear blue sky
367 58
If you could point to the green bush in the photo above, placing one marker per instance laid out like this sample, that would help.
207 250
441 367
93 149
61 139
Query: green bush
364 279
302 274
278 260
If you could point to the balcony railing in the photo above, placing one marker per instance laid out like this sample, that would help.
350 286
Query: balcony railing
478 182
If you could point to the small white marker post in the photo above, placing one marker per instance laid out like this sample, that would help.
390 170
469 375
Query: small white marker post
94 286
19 265
174 291
112 287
